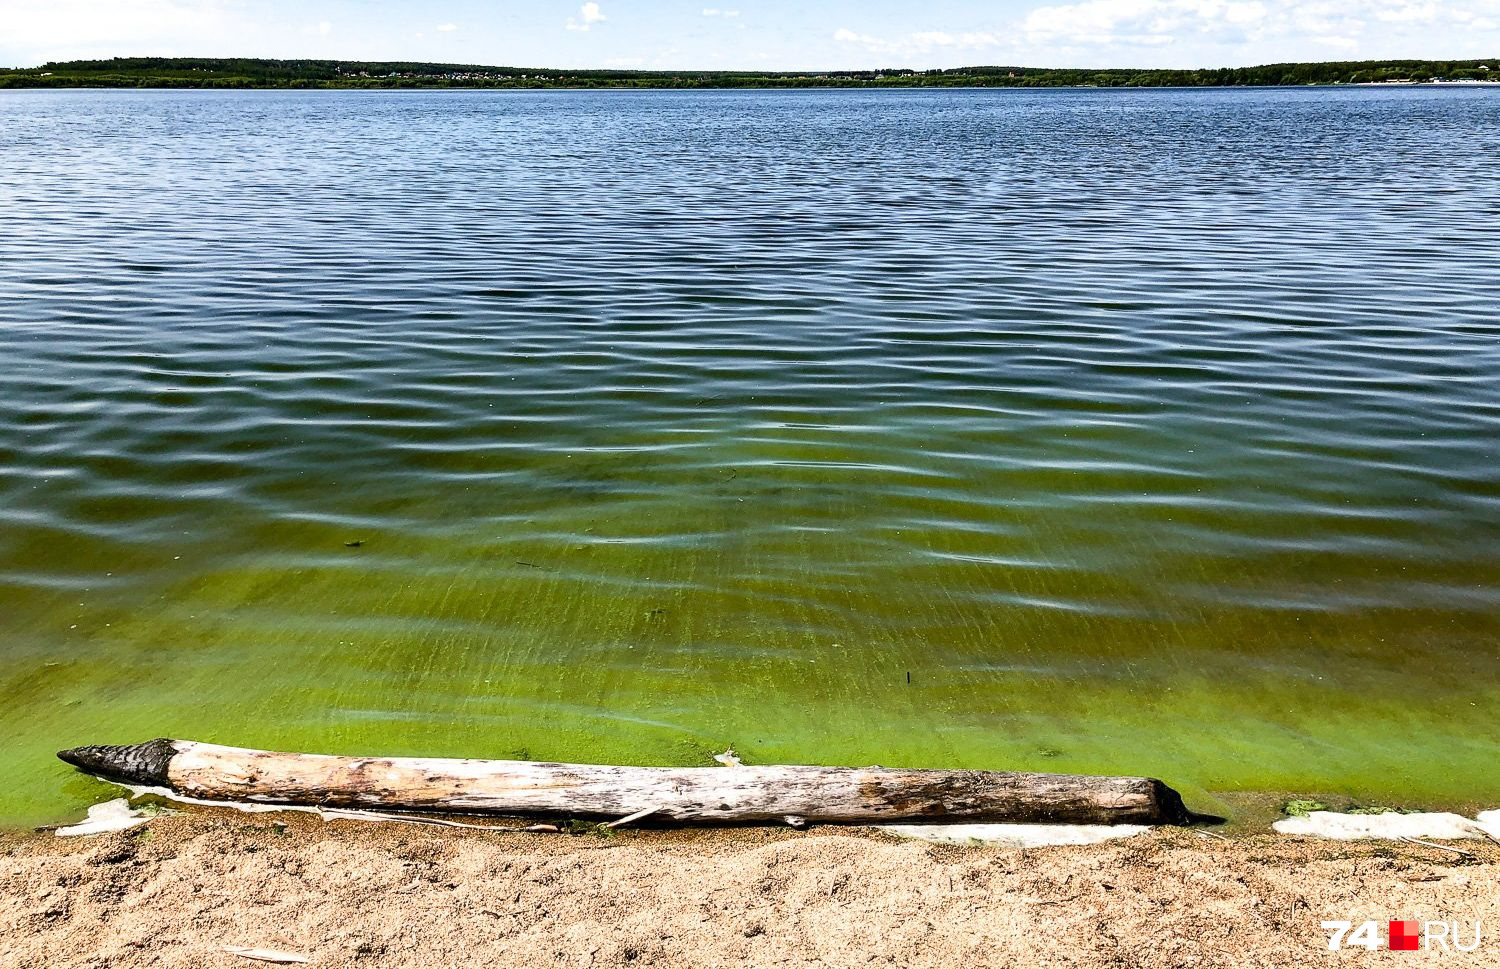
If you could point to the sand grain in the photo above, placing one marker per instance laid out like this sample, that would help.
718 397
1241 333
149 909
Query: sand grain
355 895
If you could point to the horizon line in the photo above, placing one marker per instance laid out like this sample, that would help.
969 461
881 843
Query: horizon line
793 72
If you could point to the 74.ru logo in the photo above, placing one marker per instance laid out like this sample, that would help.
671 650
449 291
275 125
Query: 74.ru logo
1403 935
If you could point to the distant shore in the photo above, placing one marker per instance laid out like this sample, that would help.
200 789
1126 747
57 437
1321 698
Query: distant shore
349 894
256 73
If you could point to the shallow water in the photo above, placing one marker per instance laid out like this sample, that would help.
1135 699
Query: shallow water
1144 432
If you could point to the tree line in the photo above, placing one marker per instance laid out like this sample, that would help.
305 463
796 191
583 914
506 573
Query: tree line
217 72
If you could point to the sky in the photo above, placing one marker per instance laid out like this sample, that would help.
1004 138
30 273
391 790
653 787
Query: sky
757 34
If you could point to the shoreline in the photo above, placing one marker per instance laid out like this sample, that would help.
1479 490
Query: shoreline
1240 812
223 73
502 88
179 890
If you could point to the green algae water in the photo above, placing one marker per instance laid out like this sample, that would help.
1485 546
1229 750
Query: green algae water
1102 431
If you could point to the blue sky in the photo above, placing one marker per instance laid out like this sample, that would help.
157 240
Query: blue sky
765 34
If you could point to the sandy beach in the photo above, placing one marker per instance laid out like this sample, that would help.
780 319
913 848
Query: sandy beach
180 890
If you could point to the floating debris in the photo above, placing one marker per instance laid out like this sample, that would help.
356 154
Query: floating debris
266 955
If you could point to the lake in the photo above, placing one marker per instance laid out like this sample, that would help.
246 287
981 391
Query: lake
1149 432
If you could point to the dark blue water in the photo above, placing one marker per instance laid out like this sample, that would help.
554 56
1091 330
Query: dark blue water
1120 431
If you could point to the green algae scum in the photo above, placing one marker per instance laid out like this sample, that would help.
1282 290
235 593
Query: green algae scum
1080 431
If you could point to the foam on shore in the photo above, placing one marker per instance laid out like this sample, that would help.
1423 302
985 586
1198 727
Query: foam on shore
1392 825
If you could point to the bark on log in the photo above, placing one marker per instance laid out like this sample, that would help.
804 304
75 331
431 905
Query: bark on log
684 795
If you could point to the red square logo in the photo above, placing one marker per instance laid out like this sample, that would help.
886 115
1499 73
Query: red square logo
1404 935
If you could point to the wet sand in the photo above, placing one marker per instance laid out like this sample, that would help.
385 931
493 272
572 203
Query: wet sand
347 894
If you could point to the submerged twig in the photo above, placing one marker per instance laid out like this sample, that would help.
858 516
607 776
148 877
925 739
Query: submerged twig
1481 830
335 814
1434 844
266 955
629 819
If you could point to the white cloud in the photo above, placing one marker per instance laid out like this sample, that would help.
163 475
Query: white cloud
870 43
1144 22
1069 33
1409 13
61 29
1192 33
1477 15
1430 11
588 15
1330 23
1319 19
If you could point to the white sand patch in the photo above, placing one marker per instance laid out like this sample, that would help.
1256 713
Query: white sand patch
340 814
116 815
1014 835
1392 826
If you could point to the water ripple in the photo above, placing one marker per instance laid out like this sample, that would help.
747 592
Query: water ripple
621 416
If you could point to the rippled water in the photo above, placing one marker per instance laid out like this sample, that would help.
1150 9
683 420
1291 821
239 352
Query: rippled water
1148 432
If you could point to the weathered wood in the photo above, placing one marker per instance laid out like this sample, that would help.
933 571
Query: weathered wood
684 795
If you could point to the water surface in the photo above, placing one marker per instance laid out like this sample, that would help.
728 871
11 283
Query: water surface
1148 432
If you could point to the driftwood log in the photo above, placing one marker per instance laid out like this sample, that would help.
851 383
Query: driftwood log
682 795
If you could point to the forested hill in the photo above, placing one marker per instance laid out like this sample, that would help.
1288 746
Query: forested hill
212 72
